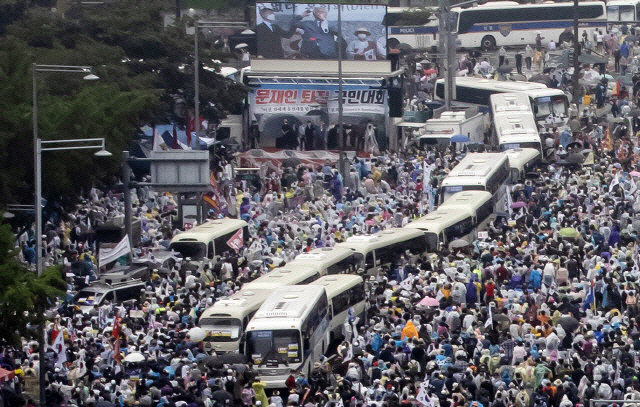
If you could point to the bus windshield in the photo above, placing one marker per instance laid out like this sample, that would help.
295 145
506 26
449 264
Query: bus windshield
620 13
274 346
547 105
221 329
195 250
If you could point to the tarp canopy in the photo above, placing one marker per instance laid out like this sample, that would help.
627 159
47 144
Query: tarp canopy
274 158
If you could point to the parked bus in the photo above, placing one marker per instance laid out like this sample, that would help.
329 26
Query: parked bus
343 292
479 172
476 91
411 26
289 332
209 239
513 122
508 23
522 161
458 218
226 320
328 260
383 248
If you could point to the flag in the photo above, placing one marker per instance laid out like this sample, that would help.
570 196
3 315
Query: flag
57 343
407 283
115 333
236 241
175 144
212 197
191 127
106 256
489 320
606 141
590 298
423 396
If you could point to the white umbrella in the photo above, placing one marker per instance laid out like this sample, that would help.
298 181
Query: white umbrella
134 357
196 334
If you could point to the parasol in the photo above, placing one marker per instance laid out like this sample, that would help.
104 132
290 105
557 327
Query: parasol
429 302
518 204
134 357
196 334
569 233
458 244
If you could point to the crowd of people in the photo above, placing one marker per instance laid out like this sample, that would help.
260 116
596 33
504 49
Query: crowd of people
524 317
542 312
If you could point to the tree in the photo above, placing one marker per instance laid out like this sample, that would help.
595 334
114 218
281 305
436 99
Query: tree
146 77
23 293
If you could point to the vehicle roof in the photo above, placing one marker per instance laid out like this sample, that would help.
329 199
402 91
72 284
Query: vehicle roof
215 228
362 243
280 276
521 155
321 257
335 284
437 221
503 4
242 302
476 165
102 287
289 302
509 103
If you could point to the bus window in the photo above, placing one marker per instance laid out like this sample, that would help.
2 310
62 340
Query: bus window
432 242
484 211
210 250
416 245
311 279
515 176
461 228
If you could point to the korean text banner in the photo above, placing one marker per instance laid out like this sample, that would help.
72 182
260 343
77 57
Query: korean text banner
298 101
310 31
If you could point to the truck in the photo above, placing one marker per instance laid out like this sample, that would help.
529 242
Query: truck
468 122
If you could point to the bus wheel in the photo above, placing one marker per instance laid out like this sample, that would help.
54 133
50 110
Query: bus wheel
488 43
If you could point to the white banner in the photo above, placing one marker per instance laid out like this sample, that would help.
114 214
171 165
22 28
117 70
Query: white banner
301 101
106 256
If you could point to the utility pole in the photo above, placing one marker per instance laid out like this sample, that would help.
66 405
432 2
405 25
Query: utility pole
342 166
576 55
448 47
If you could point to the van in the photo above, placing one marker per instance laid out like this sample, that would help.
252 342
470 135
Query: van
99 293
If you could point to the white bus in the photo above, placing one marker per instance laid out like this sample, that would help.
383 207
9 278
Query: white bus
226 320
384 248
478 91
343 292
414 26
623 11
209 239
508 23
513 122
458 218
522 161
479 172
328 260
289 332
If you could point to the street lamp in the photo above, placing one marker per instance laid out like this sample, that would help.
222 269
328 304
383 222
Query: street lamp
37 151
87 70
205 24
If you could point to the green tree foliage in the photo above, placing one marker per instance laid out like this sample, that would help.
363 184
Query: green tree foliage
23 294
146 77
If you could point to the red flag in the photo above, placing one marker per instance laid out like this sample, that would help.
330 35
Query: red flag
236 241
115 333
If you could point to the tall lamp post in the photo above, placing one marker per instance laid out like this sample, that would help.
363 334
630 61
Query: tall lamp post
37 151
199 25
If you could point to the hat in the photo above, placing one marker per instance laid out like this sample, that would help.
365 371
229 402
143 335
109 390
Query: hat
362 30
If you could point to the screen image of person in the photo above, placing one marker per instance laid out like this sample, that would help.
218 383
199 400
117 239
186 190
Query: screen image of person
320 38
363 48
269 35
